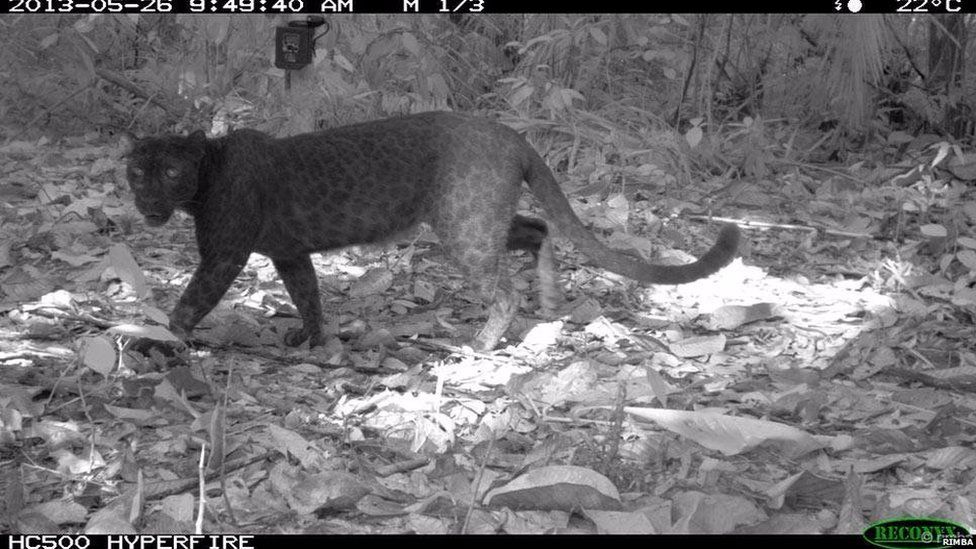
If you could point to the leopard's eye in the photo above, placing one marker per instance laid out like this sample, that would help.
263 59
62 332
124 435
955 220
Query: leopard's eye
138 172
172 173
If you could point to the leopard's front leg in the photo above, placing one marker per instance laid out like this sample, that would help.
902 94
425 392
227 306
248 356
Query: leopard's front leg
210 282
299 277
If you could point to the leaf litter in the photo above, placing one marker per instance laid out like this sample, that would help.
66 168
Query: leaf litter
831 386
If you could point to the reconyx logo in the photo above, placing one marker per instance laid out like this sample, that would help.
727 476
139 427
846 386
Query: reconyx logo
909 532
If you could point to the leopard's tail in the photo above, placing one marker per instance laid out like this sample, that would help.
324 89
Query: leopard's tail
546 189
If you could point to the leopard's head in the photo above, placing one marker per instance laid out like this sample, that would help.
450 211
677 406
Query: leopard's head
163 173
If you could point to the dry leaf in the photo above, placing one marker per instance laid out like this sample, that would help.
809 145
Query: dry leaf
557 487
698 346
98 353
730 435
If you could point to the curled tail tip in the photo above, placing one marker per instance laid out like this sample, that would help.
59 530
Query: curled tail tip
722 252
728 239
725 249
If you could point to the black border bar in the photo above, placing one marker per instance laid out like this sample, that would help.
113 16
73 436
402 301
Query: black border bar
456 7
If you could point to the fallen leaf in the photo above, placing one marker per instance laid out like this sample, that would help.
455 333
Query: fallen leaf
733 316
155 333
730 435
374 282
698 346
620 522
700 513
307 493
98 353
126 267
557 487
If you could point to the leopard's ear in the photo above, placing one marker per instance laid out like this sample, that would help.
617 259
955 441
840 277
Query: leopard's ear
127 142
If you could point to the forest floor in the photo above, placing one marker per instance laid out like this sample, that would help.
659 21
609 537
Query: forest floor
822 381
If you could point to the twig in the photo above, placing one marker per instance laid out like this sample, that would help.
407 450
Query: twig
83 318
138 501
787 226
201 474
124 83
477 482
161 489
84 408
576 421
438 346
47 111
54 390
919 356
836 172
401 466
692 67
223 446
616 429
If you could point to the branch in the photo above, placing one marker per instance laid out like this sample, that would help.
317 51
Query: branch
127 85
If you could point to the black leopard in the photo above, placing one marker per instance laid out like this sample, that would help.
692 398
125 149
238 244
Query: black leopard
287 198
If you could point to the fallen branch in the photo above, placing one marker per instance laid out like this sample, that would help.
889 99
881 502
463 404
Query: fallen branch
161 489
274 356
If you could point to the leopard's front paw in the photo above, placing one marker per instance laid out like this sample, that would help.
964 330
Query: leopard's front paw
158 354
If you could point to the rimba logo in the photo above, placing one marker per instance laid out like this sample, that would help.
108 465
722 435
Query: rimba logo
913 532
